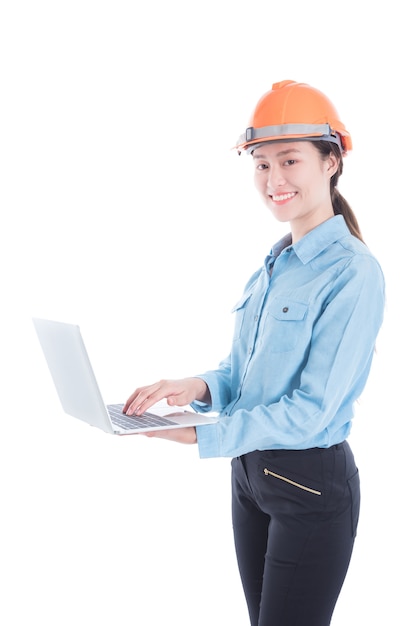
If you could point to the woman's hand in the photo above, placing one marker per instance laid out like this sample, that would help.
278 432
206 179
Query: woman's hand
180 435
176 392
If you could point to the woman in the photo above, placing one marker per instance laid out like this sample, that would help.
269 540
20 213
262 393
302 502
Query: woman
304 339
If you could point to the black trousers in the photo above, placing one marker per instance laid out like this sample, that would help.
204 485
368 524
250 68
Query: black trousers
295 515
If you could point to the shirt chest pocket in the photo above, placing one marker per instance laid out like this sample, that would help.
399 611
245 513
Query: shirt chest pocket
239 309
284 324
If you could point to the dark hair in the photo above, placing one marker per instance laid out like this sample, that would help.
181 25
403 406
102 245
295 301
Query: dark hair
339 203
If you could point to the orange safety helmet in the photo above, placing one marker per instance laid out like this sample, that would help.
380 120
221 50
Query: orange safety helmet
294 111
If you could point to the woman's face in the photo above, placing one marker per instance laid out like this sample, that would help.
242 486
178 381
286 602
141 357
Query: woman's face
294 182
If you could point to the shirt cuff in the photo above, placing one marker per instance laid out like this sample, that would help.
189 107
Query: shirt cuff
208 441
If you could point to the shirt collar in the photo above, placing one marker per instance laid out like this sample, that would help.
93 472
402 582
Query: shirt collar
314 242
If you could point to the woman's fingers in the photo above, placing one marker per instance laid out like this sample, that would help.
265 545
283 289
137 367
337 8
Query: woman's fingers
144 397
176 392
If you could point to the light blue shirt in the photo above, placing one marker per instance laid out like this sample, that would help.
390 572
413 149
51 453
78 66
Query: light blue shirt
304 339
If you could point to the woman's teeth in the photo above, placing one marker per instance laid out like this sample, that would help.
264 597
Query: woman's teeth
284 196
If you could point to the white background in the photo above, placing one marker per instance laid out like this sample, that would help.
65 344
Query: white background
124 210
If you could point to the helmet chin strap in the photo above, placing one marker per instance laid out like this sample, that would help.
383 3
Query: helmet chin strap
283 130
331 138
288 132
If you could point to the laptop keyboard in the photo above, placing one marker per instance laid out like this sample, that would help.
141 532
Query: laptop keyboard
131 422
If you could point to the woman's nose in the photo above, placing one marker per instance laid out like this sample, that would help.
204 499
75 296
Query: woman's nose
276 178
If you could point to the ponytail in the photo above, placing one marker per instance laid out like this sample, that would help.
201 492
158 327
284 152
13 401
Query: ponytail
341 207
339 203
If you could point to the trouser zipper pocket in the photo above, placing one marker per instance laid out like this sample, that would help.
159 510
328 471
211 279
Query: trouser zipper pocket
292 482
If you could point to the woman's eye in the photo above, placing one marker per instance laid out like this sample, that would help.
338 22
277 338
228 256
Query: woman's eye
290 162
262 166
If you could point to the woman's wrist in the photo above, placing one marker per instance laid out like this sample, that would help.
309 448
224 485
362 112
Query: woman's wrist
202 391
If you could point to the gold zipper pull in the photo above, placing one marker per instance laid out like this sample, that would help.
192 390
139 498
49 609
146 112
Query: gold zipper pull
292 482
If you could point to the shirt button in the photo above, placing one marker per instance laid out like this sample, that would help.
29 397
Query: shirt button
285 309
255 318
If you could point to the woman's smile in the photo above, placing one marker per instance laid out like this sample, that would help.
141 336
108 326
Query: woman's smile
283 197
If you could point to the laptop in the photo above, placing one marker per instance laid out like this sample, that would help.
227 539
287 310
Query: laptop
79 393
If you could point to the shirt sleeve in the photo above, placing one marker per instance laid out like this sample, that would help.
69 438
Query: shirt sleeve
334 375
219 385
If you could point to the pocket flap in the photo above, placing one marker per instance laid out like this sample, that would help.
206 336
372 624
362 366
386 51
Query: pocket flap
241 303
284 310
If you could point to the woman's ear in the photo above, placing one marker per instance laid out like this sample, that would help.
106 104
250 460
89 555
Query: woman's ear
333 164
